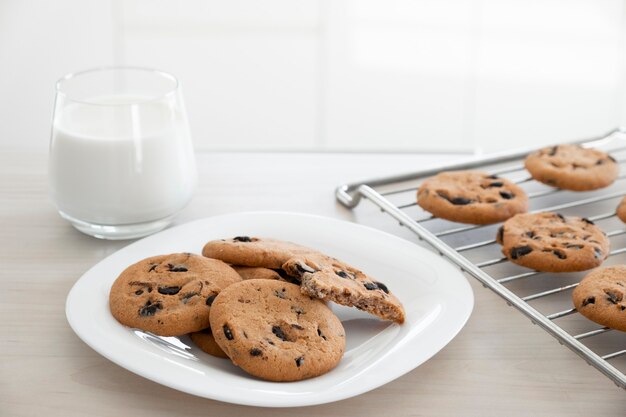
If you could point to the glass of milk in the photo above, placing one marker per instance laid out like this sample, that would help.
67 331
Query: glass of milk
121 160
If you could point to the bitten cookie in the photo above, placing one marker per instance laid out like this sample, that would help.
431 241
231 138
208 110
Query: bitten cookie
169 295
273 331
600 296
572 167
550 242
621 210
206 342
332 280
254 251
471 197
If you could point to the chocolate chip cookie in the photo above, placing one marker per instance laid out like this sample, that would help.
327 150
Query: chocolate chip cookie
254 251
332 280
271 330
550 242
206 342
600 296
621 210
169 295
471 197
572 167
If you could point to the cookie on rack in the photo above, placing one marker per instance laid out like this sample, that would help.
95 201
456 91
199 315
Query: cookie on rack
550 242
272 331
572 167
169 295
206 342
471 197
621 210
333 280
600 296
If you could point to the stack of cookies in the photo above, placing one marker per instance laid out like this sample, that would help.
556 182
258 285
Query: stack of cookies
546 242
260 302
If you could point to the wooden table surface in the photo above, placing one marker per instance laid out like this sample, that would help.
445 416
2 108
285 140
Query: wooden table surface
498 365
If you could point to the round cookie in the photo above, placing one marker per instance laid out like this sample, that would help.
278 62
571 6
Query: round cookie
206 342
550 242
254 251
169 295
572 167
621 210
471 197
274 332
600 296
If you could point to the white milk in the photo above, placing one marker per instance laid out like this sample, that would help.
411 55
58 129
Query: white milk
115 165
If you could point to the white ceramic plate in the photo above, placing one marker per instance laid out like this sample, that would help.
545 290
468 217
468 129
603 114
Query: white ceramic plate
437 298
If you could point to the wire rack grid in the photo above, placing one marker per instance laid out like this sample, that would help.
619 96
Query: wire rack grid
545 298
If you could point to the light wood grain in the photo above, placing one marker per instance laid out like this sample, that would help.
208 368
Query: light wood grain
499 364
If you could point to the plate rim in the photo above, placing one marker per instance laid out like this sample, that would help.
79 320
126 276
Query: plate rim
453 331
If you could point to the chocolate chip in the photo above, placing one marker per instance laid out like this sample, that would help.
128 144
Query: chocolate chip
188 297
612 159
530 234
297 310
177 268
280 294
586 220
299 361
297 326
342 274
589 300
210 299
256 352
493 177
560 216
242 239
501 234
575 246
553 151
168 290
370 286
382 287
152 267
227 333
559 254
600 162
279 333
460 201
520 251
138 292
319 333
496 184
506 195
613 297
597 252
302 268
150 309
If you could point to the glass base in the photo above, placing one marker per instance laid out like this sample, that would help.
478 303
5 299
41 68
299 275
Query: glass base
120 232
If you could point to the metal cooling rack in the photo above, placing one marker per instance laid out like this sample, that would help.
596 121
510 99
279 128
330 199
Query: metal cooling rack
545 298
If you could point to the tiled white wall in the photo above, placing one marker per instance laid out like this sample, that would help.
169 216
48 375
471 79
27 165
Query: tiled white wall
391 75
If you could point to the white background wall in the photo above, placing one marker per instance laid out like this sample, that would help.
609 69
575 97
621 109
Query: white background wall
392 75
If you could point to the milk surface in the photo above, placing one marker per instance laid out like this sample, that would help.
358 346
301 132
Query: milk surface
114 165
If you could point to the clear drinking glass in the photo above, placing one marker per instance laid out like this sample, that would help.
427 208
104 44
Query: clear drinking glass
121 161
